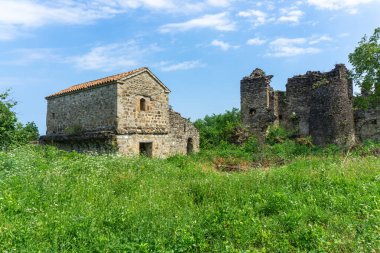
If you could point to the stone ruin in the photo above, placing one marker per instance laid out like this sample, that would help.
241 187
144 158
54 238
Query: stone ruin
315 104
128 113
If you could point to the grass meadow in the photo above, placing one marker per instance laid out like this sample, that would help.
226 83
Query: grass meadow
287 198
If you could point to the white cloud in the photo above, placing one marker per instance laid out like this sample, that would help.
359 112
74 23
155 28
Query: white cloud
117 56
19 16
219 22
8 32
255 16
290 15
218 3
349 5
320 39
223 45
186 65
285 47
255 42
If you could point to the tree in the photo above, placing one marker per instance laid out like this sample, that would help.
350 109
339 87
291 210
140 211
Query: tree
11 131
217 129
366 72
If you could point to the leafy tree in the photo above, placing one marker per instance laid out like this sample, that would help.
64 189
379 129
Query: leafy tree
217 129
11 131
366 73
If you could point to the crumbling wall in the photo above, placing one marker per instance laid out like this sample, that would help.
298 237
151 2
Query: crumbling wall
280 108
184 137
367 124
257 103
316 104
331 115
298 98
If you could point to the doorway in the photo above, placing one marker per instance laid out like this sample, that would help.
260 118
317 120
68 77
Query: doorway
190 146
146 149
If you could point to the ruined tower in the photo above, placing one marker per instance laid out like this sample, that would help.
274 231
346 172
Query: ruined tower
316 104
298 102
257 102
331 114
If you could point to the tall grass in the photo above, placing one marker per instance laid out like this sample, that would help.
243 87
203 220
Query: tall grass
319 200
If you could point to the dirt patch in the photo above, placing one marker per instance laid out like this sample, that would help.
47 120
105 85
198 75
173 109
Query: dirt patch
230 164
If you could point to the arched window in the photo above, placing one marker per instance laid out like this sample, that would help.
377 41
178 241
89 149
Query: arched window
142 104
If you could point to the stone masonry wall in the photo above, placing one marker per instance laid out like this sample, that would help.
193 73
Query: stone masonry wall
87 111
130 118
367 124
316 104
129 144
281 108
298 102
101 142
257 102
331 115
184 137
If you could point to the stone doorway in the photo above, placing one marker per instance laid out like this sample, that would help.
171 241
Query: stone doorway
190 146
146 149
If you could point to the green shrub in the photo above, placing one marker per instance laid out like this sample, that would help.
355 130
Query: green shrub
276 135
216 129
11 131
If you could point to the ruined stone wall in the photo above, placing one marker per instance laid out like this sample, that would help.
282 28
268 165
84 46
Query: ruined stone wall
184 137
100 143
298 102
130 144
316 104
131 118
331 115
87 110
367 124
257 102
280 110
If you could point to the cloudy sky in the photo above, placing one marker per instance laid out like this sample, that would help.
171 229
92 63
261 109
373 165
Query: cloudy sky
199 49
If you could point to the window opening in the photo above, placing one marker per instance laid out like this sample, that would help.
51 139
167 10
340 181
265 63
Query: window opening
142 104
252 111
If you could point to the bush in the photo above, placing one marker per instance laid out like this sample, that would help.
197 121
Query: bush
11 131
217 129
276 135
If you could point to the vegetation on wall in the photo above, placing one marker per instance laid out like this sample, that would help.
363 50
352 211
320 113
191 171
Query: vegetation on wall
13 132
366 72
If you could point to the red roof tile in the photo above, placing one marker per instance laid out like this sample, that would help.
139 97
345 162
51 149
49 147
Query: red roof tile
95 83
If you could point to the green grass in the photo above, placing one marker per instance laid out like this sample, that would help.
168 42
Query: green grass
319 200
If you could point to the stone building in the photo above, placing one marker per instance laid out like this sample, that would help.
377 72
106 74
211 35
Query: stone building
315 104
127 113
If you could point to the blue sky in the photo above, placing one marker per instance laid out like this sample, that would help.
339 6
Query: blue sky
199 49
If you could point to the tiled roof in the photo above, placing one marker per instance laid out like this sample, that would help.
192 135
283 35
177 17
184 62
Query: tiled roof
97 82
